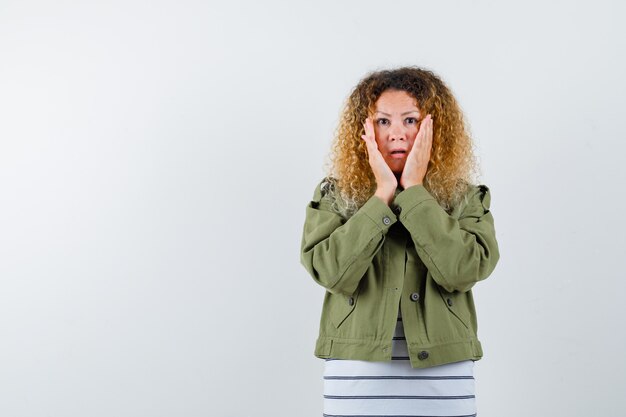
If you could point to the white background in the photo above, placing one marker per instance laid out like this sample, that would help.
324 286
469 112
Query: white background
156 159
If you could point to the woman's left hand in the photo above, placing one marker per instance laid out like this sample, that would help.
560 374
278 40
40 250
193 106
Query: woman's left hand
417 161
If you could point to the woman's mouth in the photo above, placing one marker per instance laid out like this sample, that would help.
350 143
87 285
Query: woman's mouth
398 154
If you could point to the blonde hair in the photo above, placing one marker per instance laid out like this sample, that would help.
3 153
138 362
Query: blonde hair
452 164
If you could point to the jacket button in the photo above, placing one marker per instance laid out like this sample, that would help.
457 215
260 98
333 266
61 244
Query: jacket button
386 220
449 302
351 300
422 355
415 296
397 209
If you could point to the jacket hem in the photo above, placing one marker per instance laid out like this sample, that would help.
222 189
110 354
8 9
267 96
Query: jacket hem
369 350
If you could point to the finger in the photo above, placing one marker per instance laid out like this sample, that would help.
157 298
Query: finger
367 142
368 132
368 147
423 126
424 138
420 135
428 145
368 128
371 133
427 126
371 147
430 131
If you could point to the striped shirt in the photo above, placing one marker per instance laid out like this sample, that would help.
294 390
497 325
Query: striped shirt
395 389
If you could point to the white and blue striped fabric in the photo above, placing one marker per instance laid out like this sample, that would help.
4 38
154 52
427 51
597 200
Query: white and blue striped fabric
357 388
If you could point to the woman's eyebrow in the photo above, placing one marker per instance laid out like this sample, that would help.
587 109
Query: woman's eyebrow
406 112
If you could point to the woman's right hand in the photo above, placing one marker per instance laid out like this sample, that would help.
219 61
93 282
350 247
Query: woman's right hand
386 181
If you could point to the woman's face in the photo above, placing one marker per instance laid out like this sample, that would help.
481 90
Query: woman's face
396 123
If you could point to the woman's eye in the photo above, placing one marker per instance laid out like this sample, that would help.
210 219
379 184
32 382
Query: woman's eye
411 120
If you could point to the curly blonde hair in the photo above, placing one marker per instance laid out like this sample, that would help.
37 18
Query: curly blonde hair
452 162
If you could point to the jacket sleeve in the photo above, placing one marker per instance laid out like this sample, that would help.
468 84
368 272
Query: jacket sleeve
457 253
337 252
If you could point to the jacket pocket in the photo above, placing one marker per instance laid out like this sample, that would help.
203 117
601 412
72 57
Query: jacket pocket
455 304
343 306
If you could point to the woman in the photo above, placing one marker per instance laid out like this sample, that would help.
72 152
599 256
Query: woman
398 234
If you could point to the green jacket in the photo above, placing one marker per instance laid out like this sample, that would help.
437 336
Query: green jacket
411 255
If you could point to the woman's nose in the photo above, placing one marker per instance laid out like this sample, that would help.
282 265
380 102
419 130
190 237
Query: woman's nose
397 132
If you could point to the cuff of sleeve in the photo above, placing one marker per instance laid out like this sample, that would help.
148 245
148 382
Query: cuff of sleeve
379 212
411 197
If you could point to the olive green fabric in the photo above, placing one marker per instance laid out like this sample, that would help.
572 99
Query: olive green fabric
410 255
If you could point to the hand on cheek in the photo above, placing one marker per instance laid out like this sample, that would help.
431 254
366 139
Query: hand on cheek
419 156
386 181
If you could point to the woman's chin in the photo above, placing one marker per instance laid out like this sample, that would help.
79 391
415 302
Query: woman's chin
396 168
